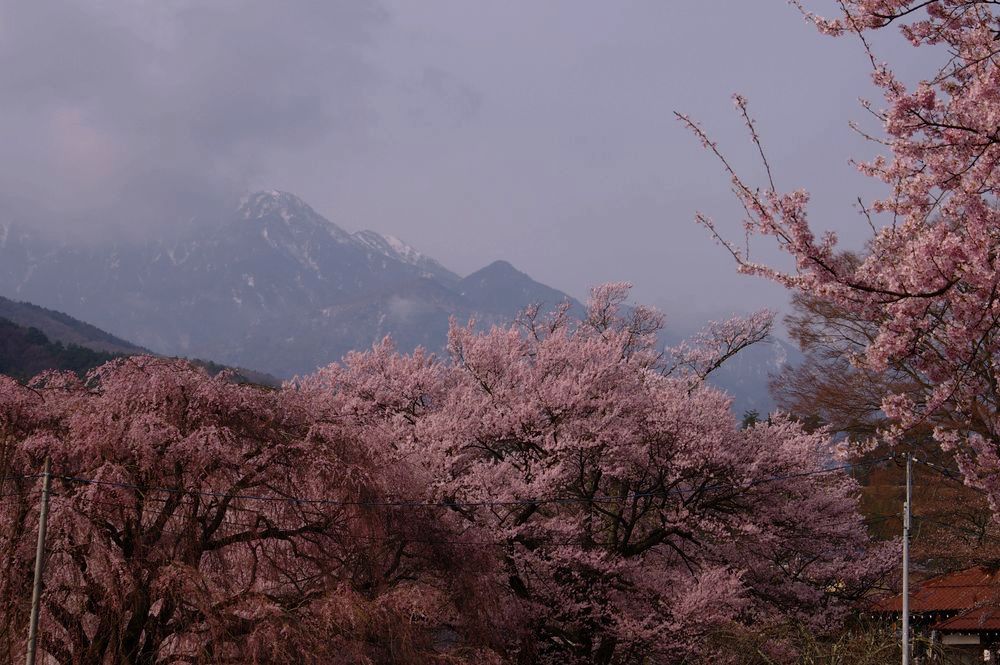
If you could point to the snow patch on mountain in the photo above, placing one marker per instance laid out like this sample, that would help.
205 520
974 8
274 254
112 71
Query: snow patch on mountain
394 248
405 252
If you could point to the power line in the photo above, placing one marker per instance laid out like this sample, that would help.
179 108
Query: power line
965 530
948 474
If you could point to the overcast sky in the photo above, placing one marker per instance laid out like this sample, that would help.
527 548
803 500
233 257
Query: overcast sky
537 132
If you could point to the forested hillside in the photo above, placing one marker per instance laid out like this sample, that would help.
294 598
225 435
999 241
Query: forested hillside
25 352
34 339
59 327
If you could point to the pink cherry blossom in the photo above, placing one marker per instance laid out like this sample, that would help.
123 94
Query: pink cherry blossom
630 514
930 278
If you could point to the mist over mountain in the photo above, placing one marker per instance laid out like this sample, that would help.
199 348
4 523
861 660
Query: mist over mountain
276 287
746 376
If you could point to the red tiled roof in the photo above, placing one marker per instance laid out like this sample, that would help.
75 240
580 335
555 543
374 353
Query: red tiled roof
977 618
963 590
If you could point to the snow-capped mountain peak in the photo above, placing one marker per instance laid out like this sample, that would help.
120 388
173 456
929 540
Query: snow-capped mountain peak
395 248
285 214
263 204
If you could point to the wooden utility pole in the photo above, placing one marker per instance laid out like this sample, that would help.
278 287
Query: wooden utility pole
36 594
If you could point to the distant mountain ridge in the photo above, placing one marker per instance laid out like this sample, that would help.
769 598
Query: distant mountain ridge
500 287
64 329
277 287
747 375
34 339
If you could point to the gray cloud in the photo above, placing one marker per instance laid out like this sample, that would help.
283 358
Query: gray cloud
131 114
538 132
573 167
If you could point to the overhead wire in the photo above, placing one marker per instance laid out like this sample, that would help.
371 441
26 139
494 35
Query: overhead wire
947 473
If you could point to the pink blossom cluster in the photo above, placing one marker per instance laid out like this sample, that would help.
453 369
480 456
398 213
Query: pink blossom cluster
546 493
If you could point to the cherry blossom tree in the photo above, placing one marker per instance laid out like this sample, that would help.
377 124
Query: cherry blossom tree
633 520
195 520
928 284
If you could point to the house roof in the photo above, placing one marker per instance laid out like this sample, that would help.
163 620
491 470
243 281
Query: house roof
963 590
975 619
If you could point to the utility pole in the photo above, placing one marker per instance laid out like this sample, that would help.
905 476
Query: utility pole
906 561
36 595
